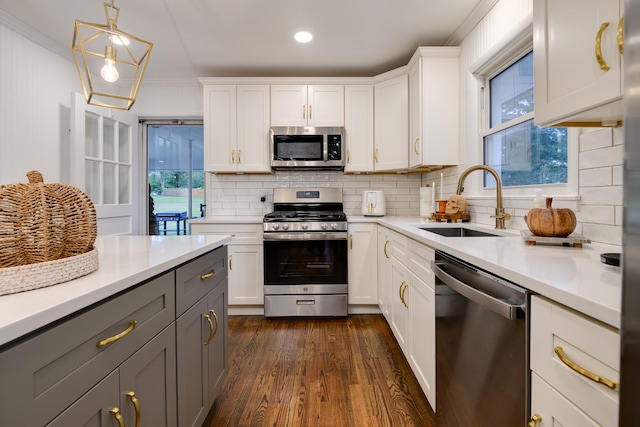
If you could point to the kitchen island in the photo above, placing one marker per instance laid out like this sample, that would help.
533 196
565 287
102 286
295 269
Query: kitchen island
144 336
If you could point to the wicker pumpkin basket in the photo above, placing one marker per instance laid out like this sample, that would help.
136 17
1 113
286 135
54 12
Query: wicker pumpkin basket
47 232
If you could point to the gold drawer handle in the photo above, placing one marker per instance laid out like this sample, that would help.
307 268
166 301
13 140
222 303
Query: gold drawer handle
535 419
585 373
117 416
620 36
136 406
599 58
385 249
230 262
111 340
209 275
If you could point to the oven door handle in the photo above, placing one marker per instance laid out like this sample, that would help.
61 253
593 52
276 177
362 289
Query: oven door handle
305 236
498 306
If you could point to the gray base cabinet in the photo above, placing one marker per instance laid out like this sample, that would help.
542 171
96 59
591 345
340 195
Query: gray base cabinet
128 361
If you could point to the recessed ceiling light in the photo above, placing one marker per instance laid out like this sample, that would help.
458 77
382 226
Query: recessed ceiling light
303 36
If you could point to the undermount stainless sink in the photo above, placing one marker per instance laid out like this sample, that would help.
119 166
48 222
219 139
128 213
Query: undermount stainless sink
458 232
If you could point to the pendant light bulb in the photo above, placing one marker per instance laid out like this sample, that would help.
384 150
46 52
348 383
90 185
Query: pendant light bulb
109 72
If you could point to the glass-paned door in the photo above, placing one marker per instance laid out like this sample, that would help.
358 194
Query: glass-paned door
104 164
175 174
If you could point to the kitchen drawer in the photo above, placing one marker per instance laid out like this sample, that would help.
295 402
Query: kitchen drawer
196 278
419 262
397 247
242 234
587 343
53 368
554 408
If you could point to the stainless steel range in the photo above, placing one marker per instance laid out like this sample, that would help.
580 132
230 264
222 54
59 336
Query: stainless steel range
305 253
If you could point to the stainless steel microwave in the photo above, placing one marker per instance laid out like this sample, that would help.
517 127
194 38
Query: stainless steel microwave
312 148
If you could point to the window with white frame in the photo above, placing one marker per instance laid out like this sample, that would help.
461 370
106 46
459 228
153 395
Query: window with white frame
523 154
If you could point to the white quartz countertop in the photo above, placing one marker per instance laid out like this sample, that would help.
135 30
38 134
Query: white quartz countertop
571 276
124 261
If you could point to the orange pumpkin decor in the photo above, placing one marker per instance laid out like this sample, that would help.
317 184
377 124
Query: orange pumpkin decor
551 222
44 222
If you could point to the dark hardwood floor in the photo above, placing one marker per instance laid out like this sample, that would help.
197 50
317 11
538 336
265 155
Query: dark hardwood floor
317 372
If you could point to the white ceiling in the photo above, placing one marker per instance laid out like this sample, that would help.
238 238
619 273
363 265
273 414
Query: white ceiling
214 38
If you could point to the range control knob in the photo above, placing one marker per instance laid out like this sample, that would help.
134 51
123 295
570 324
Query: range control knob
276 226
334 226
285 226
305 226
323 225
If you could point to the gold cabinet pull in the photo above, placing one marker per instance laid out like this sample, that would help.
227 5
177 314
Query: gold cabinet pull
136 406
304 111
351 242
215 317
599 58
415 146
117 416
348 156
403 289
230 260
310 112
385 249
535 419
375 155
239 156
620 36
209 275
585 373
111 340
233 156
210 337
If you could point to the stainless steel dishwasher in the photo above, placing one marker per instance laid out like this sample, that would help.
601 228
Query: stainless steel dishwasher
482 350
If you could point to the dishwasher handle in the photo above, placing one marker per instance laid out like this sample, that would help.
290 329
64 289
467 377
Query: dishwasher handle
498 306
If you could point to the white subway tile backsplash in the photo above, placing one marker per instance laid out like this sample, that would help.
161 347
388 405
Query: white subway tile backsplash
592 139
609 156
596 177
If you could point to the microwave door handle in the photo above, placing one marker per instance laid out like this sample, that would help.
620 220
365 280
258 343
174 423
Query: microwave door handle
325 147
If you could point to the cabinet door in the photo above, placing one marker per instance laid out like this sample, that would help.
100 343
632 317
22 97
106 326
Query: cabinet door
569 79
554 408
325 105
384 272
433 108
220 138
363 249
289 105
216 344
358 124
192 331
151 374
391 124
422 335
400 297
93 409
246 275
252 153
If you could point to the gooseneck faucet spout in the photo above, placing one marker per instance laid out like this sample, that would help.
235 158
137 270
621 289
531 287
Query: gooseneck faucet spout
500 215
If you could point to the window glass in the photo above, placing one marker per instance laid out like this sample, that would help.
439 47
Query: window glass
522 153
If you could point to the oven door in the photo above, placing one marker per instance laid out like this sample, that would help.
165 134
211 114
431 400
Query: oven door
292 259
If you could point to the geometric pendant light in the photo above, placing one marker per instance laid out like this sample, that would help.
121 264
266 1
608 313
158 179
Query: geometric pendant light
110 62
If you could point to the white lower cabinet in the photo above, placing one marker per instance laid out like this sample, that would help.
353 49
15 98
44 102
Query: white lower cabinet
363 278
246 260
578 358
406 286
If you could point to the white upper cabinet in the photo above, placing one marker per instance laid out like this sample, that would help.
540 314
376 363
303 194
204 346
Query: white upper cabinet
236 128
307 105
434 107
358 126
391 124
577 47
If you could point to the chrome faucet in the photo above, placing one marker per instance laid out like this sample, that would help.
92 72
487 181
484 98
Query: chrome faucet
500 215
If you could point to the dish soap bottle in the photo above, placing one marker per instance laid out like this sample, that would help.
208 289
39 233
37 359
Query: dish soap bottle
538 200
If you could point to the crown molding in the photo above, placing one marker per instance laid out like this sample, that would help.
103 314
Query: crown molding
34 35
470 22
